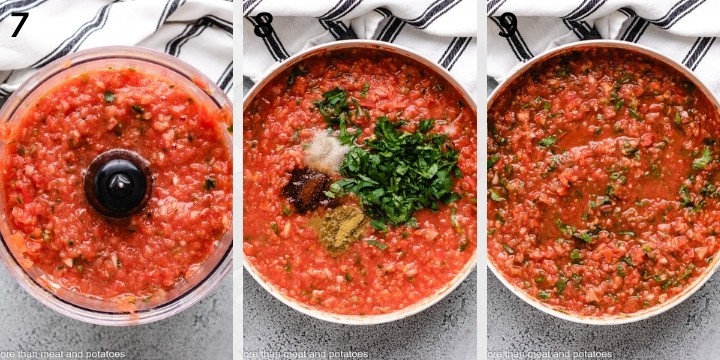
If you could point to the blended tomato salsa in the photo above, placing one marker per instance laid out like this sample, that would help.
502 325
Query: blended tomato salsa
49 149
602 182
323 222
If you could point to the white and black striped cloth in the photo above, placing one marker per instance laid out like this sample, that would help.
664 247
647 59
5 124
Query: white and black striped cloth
196 31
442 30
684 30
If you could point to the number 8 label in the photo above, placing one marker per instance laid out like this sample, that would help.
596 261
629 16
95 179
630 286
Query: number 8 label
263 28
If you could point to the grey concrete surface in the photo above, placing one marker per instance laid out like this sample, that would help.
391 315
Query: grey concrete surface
202 332
447 330
690 331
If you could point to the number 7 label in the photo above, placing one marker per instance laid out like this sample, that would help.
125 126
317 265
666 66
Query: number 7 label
22 21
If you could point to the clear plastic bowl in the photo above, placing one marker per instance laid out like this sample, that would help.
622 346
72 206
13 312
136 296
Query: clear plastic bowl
78 306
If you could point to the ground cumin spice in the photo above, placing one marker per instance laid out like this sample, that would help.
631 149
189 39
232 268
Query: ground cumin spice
340 227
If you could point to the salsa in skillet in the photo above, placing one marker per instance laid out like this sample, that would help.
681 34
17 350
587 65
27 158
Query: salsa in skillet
602 182
377 259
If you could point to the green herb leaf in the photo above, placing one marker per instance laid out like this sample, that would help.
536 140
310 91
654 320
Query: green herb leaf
564 228
619 104
337 113
109 97
364 91
548 141
626 259
575 255
610 191
426 125
576 279
703 161
685 199
584 236
561 284
396 173
625 78
378 225
333 104
688 271
463 244
668 283
452 198
620 269
629 150
642 202
294 73
495 196
492 160
138 109
508 249
544 295
377 244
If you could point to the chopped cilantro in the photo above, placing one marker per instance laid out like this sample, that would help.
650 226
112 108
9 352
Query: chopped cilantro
548 141
685 199
561 284
575 255
396 173
495 196
378 225
109 97
703 161
138 109
508 249
363 93
377 244
294 73
335 109
492 160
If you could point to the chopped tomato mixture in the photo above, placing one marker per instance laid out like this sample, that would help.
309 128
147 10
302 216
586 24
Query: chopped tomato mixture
602 181
49 149
382 268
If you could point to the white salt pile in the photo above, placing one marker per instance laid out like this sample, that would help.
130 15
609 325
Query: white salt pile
325 153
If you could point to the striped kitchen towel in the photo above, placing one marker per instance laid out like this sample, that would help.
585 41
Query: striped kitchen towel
196 31
684 30
442 30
